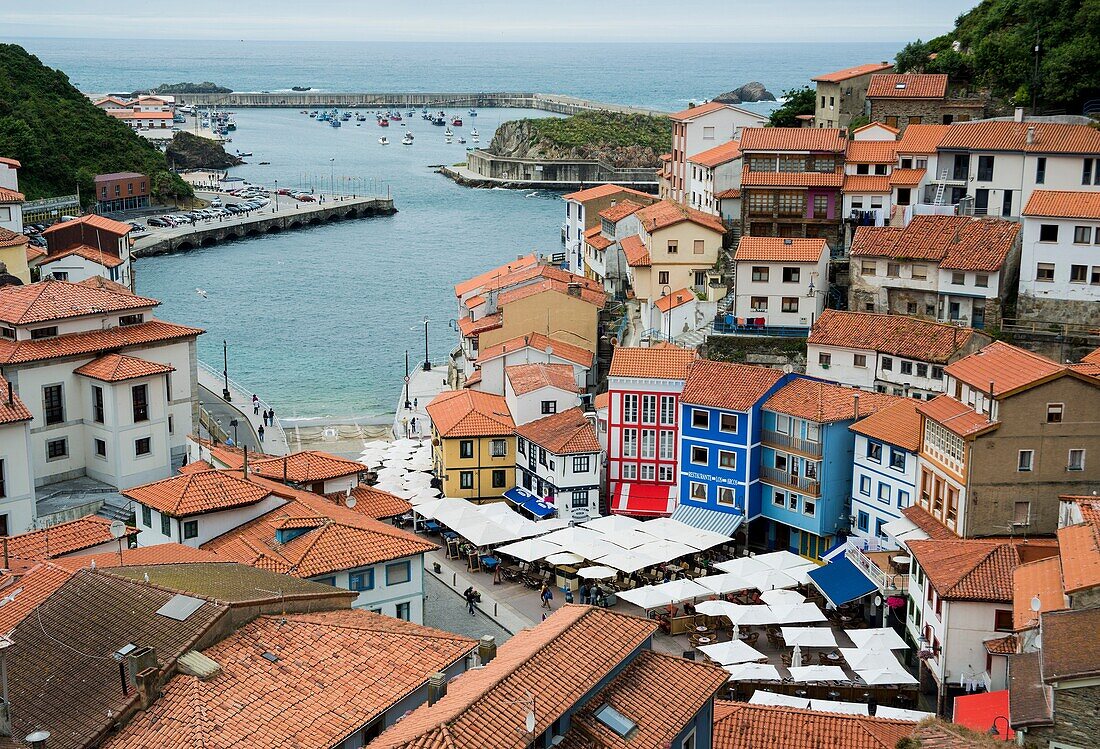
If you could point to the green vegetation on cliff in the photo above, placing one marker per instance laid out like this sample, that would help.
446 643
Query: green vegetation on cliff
63 140
622 140
206 87
996 42
190 151
795 102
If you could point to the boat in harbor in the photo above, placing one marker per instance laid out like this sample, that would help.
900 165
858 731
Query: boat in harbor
456 122
383 122
472 113
334 122
448 133
407 140
396 117
474 133
384 141
461 140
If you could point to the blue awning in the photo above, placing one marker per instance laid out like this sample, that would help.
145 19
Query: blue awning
517 495
841 581
528 500
706 519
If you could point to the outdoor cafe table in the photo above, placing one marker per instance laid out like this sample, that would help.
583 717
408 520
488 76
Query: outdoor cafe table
489 562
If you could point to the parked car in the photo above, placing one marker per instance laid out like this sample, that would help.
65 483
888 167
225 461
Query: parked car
306 198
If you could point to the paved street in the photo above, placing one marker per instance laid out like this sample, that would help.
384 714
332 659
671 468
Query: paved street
445 609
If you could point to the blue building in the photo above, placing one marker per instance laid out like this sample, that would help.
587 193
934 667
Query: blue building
806 461
884 470
720 443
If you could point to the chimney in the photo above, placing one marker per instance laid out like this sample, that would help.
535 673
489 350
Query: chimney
573 289
37 740
147 686
991 400
244 466
437 687
487 649
1030 140
855 406
138 661
1018 115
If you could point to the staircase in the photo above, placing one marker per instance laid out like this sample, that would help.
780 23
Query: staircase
113 511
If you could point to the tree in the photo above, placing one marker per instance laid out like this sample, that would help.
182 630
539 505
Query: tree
795 102
912 58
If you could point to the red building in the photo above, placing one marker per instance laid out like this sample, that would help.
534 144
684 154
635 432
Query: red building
121 191
644 386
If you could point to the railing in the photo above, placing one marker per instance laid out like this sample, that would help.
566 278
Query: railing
242 402
778 439
212 427
1049 328
727 325
791 481
884 581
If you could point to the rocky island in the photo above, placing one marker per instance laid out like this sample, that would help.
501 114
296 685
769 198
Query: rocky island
189 151
752 91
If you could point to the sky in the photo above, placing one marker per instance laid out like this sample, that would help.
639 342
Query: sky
485 20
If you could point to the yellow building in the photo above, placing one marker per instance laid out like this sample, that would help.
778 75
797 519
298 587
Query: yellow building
14 251
473 444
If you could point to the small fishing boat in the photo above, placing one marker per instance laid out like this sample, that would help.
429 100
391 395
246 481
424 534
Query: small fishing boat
334 122
456 121
396 117
447 133
264 163
407 140
472 113
384 141
448 140
242 154
383 122
411 113
474 133
461 140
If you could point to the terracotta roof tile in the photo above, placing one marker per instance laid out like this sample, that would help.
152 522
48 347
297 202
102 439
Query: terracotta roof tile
120 367
97 222
693 112
563 433
576 354
106 259
1002 135
932 528
897 424
10 196
853 72
601 401
637 254
801 139
675 299
603 191
834 178
33 253
26 591
61 539
898 335
956 416
197 493
907 177
866 183
16 410
526 378
739 725
470 327
733 192
872 151
1043 579
876 126
780 249
372 502
469 413
1093 357
620 210
1064 204
955 242
922 139
595 238
735 387
668 213
977 569
907 86
1070 646
305 467
1080 552
104 284
722 154
824 402
9 238
465 287
57 300
1007 645
596 297
158 554
875 241
1009 369
663 362
10 162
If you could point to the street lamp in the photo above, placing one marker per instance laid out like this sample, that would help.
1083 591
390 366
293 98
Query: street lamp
236 441
408 404
225 371
276 196
993 728
427 361
665 291
332 174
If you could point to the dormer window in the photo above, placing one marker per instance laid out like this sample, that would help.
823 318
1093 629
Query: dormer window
8 333
49 332
131 319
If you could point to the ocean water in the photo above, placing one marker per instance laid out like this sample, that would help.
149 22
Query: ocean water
318 321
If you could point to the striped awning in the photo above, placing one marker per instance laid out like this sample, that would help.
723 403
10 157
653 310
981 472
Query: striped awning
707 519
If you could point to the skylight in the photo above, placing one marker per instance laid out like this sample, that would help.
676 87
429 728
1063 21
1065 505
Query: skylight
616 721
899 86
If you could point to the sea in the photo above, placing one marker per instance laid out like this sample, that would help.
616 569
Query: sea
319 321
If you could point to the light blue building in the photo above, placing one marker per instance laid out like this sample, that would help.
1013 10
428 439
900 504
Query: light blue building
884 470
720 443
806 463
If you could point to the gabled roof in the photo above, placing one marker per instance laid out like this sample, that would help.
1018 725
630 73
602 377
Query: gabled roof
897 424
58 300
824 402
906 177
100 257
667 213
539 341
563 433
305 467
470 327
620 210
93 220
875 126
595 237
16 411
897 335
675 299
10 162
11 196
637 254
92 341
1064 204
722 154
931 527
603 191
1079 546
470 413
862 184
977 569
158 554
956 416
527 378
780 249
726 385
472 284
584 291
872 151
373 502
23 593
121 367
955 242
9 238
197 493
1008 367
698 111
800 139
1008 135
907 86
922 139
61 539
853 72
740 725
660 362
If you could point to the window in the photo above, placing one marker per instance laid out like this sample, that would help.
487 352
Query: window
579 498
1040 170
1021 513
727 459
581 464
56 449
649 444
662 277
791 204
165 525
1048 232
813 431
465 479
361 580
859 360
630 443
779 499
53 403
49 332
907 367
922 370
809 507
985 168
920 272
649 409
883 492
868 268
887 364
1076 460
465 449
708 133
865 485
498 448
616 721
981 280
630 471
821 206
791 275
1044 272
647 472
700 419
664 473
824 359
131 319
100 448
790 304
1082 234
897 459
758 303
398 572
402 611
760 273
1086 172
630 408
549 407
698 491
1054 413
191 529
863 168
698 247
542 456
857 201
726 496
1024 460
874 451
782 424
673 247
780 462
1094 277
958 279
903 498
143 446
668 409
893 270
1078 273
140 395
727 423
700 456
97 404
521 446
862 521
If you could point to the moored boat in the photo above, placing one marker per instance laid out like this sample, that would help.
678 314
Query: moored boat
384 141
407 140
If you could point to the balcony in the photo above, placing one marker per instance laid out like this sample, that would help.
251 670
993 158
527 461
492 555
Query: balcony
887 581
784 478
778 439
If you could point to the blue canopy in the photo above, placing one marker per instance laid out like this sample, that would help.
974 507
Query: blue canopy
841 581
529 501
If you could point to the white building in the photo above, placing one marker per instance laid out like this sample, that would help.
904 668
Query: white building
11 200
17 508
533 391
700 129
869 162
780 281
717 172
559 458
582 210
87 247
891 354
533 348
884 469
1060 257
681 312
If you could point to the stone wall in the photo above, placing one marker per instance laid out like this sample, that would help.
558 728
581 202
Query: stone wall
931 111
1044 309
1076 719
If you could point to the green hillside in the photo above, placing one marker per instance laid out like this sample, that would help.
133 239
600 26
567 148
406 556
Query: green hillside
61 138
996 49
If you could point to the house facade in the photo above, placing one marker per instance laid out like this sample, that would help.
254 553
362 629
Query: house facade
473 444
582 209
884 469
11 200
780 282
534 348
121 191
560 460
87 247
841 95
901 100
696 130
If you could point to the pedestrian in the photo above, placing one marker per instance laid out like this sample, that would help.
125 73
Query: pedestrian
271 415
255 400
468 594
547 596
267 417
414 404
585 595
260 432
255 408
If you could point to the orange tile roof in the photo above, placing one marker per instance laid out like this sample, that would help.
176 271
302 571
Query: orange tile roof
563 433
1093 357
305 467
106 259
539 341
1042 579
527 378
872 151
792 179
1007 645
780 249
866 183
801 139
10 196
531 274
473 379
661 362
16 410
197 493
1080 551
481 709
955 242
602 191
470 327
922 139
26 591
1009 368
1064 204
907 86
463 288
57 300
877 126
675 299
906 177
373 502
637 254
977 569
956 416
722 154
698 111
601 401
898 424
824 402
129 114
104 284
620 210
596 298
733 192
898 335
169 553
10 162
369 665
61 539
120 367
734 387
92 342
1089 507
933 528
668 213
739 725
469 413
93 220
8 238
853 72
595 238
1002 135
875 241
33 253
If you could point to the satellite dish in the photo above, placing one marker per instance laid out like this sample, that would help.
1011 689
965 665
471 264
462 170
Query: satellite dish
549 350
351 503
118 529
787 369
1036 604
529 722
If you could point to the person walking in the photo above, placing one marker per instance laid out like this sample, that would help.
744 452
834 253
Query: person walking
271 417
255 403
470 597
260 432
584 594
547 596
